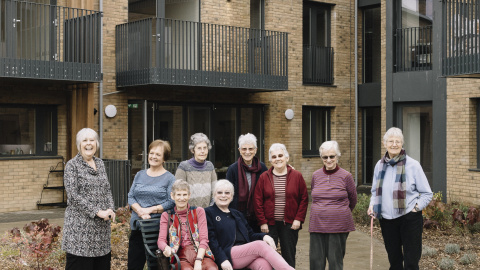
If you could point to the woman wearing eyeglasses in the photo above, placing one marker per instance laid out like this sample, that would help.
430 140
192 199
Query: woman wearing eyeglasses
400 191
281 202
333 198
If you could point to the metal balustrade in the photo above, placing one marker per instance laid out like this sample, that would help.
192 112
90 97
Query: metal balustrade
317 65
413 49
119 177
461 37
49 42
174 52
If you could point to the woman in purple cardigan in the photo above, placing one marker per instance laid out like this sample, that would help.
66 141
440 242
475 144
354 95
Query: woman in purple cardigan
333 198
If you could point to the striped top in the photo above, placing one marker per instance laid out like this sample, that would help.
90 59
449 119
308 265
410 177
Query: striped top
333 198
279 184
201 181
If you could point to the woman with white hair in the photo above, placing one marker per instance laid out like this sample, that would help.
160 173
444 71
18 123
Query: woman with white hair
198 171
234 244
278 187
400 191
86 230
244 174
334 196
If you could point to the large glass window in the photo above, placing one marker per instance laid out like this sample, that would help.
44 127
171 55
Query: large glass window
417 13
371 126
417 131
28 130
315 129
256 14
371 45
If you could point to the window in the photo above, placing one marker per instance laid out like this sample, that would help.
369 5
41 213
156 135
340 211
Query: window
371 45
315 129
317 51
28 130
256 14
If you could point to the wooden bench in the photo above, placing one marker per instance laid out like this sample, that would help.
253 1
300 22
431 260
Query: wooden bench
149 229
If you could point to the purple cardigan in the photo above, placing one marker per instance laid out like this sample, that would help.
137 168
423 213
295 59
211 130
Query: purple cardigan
333 198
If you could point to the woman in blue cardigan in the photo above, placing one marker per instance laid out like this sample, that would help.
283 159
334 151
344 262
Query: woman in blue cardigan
232 241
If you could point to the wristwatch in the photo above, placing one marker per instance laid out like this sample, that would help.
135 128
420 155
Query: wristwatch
416 208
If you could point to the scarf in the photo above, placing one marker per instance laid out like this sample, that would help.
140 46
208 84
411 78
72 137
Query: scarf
244 194
175 231
399 190
197 165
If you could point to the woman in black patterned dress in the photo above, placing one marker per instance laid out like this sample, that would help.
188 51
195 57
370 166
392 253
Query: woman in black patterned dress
86 231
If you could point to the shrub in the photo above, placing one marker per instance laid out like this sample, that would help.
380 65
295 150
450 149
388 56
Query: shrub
360 212
446 264
452 249
428 251
468 258
475 228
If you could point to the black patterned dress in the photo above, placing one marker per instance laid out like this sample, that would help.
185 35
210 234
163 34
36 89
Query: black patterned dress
88 191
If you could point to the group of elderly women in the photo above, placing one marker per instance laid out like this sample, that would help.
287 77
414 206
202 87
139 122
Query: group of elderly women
237 223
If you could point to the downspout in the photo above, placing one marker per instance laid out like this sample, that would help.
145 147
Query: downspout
100 85
356 92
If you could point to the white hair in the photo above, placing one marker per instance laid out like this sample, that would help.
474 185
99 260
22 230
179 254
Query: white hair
85 133
329 145
223 183
199 138
248 138
393 132
277 146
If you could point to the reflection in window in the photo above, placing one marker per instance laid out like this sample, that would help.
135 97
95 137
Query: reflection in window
315 129
417 13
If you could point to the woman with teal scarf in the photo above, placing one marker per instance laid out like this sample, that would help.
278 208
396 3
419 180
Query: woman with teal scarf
400 191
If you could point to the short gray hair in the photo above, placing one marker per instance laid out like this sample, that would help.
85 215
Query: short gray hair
248 138
223 183
393 131
277 146
87 133
199 138
329 145
180 185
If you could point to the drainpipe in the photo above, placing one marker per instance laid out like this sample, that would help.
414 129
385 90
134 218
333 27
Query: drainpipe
100 85
356 92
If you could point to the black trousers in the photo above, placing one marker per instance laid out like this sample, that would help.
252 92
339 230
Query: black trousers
403 240
75 262
288 240
327 246
136 251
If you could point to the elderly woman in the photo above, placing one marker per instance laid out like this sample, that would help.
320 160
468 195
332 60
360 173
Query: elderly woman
148 197
400 191
244 174
186 227
278 187
233 242
198 171
86 231
333 198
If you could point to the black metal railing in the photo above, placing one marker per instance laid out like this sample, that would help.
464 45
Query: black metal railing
317 65
413 49
49 42
174 52
461 37
119 176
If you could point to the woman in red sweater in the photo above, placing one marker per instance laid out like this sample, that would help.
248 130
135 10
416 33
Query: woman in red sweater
188 232
281 185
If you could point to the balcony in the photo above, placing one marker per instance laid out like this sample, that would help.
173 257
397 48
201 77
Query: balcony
317 65
414 49
461 38
41 41
173 52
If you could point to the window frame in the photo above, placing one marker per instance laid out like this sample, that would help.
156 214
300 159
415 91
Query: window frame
313 151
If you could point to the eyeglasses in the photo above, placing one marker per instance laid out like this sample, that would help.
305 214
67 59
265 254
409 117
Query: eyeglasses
279 156
327 157
249 149
391 142
223 192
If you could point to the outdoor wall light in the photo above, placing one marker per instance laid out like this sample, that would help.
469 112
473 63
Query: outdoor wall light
110 111
289 114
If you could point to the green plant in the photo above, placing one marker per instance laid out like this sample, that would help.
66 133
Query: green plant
475 228
360 211
468 258
446 264
452 249
436 213
428 251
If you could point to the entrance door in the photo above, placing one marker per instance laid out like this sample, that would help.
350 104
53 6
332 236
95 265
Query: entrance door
371 142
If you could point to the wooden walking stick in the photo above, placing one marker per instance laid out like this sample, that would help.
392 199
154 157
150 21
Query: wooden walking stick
371 242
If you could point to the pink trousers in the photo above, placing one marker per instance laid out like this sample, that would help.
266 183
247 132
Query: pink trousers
257 255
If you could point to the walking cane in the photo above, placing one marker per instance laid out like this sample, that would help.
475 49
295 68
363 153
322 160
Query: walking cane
371 242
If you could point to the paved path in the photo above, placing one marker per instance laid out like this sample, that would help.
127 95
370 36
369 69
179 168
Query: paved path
358 244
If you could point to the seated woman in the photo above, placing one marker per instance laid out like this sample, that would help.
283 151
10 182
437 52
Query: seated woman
233 242
186 227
